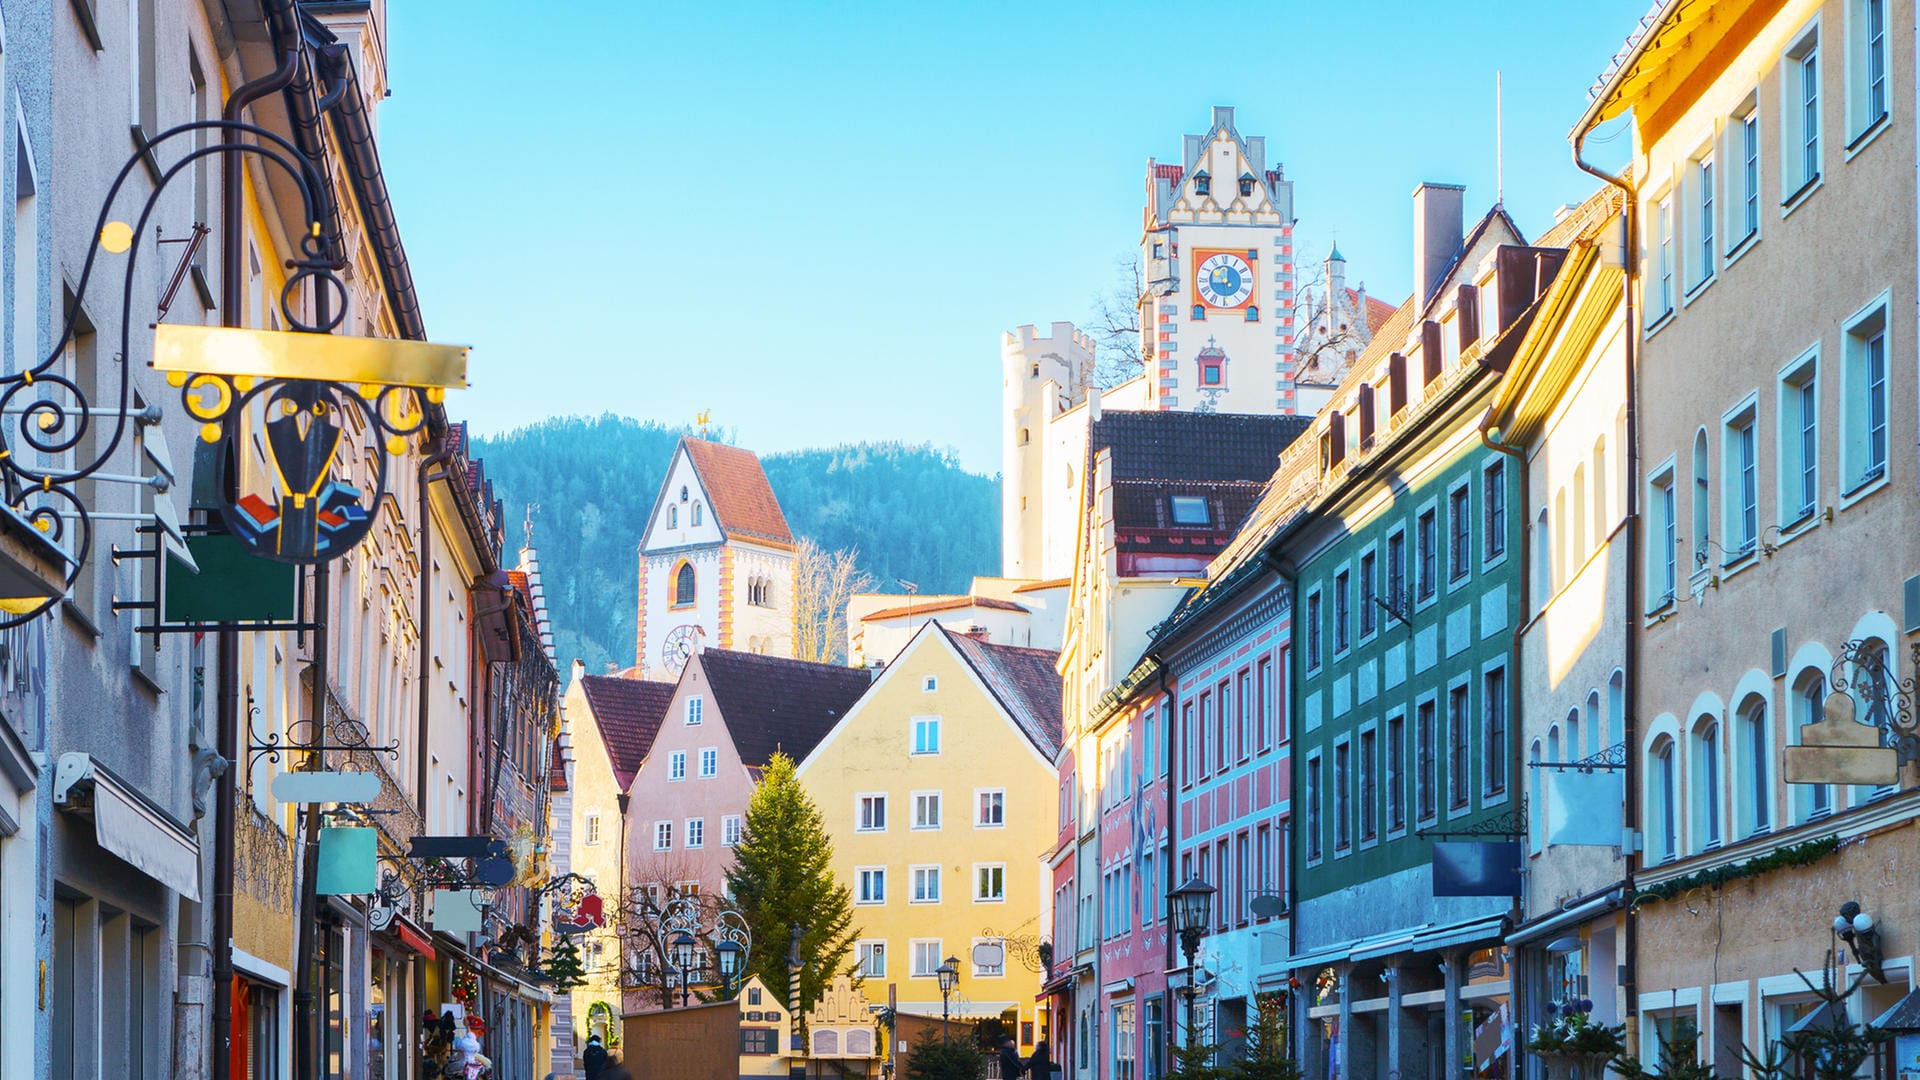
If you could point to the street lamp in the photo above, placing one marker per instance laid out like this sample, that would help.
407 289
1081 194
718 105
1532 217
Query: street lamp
728 953
949 974
1192 907
683 956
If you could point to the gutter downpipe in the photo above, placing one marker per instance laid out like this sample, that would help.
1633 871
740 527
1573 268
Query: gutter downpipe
227 642
1173 825
1629 733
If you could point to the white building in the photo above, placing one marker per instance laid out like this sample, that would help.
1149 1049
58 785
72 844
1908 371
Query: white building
716 562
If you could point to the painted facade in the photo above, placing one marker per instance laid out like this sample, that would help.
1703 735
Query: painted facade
937 790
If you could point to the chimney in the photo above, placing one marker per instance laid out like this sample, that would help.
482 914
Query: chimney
1093 402
1439 226
579 669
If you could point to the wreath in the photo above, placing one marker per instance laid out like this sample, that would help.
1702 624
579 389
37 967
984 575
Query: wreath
466 984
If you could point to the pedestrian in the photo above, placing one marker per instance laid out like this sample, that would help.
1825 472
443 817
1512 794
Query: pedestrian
1010 1067
1040 1065
616 1071
594 1060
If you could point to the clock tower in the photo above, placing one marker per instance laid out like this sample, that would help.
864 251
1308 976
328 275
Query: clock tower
716 562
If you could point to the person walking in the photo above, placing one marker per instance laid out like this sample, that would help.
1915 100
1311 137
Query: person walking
594 1059
1040 1065
1010 1067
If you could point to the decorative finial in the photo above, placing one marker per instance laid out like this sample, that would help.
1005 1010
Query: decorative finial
704 418
532 507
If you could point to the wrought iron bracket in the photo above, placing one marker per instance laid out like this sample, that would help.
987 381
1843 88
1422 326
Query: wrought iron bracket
1608 758
271 745
1511 825
1862 671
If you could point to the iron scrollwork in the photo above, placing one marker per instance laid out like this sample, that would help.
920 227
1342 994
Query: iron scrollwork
341 733
1864 672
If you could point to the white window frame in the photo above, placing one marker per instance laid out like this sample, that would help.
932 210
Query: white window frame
861 821
1858 418
592 829
1740 470
1740 216
984 972
979 810
676 766
978 869
732 828
866 950
913 958
917 875
1706 783
919 723
663 836
1700 181
1314 648
923 799
696 833
696 710
929 684
1802 146
862 876
709 762
1798 462
1661 295
1869 60
1663 537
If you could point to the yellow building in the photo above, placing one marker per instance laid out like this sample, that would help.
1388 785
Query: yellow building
938 789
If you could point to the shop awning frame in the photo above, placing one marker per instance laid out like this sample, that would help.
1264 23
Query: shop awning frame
128 824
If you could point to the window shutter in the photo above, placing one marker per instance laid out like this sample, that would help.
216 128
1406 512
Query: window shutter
1366 415
1431 359
1396 383
1467 302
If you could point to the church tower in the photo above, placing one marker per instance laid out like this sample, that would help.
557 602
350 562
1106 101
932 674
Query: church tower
716 562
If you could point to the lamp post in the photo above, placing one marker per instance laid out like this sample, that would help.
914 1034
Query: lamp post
684 946
727 952
1192 908
949 974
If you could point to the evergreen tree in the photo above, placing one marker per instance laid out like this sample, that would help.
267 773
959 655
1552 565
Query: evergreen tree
1267 1057
935 1058
782 877
563 967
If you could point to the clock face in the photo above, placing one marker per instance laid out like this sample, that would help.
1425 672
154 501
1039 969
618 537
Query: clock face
1224 280
679 646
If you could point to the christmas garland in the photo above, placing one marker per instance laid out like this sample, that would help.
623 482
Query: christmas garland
466 984
1785 858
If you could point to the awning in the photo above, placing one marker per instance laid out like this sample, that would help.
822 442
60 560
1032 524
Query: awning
1904 1017
1417 940
128 824
1548 925
1063 980
1461 933
409 935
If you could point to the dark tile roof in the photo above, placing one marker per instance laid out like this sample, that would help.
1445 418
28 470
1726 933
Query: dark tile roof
1224 458
772 703
628 712
737 487
1026 683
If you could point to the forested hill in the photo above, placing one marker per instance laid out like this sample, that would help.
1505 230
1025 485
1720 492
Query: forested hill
911 511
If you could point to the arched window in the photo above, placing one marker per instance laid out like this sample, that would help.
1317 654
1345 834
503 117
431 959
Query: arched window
1553 743
1253 313
1601 522
1577 538
1574 752
683 585
1537 820
1024 437
1616 706
1755 794
673 517
1202 183
1706 784
1559 537
1809 707
1199 312
696 514
1662 819
1702 498
1543 559
1875 661
1593 723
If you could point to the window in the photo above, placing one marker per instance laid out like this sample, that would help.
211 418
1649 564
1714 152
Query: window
1864 416
1665 839
926 884
1397 570
1425 778
696 710
1191 509
1757 792
1800 120
1493 767
1155 1042
677 765
929 684
1222 739
1866 67
1313 807
1747 145
1799 443
1340 627
1809 707
992 810
872 813
1367 607
683 585
1122 1025
1663 544
1460 532
873 959
926 809
673 517
1741 494
730 830
926 958
1263 676
593 828
1660 304
1493 497
1703 187
663 836
1369 764
1706 779
1202 183
1396 773
1458 752
872 885
1424 555
926 734
1243 720
709 763
1313 630
1342 830
696 832
989 883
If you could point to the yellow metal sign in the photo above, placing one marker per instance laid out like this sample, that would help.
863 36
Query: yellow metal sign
280 354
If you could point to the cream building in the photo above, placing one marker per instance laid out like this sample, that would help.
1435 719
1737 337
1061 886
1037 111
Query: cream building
1004 611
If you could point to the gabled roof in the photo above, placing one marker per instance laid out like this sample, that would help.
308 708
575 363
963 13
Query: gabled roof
943 603
628 712
1024 681
738 492
1222 457
772 703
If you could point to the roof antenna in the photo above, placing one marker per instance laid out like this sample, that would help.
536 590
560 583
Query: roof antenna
1499 181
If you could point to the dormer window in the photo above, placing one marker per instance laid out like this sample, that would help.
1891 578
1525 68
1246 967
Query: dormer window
1189 510
1246 183
1202 183
1213 366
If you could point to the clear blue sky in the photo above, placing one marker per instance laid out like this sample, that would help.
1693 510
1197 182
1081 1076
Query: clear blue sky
817 219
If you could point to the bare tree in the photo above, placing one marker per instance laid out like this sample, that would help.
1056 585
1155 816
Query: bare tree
1324 345
823 582
647 969
1115 324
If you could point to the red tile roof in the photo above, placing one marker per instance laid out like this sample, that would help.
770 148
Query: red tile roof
952 604
1037 586
1169 172
1025 682
737 487
772 703
628 712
